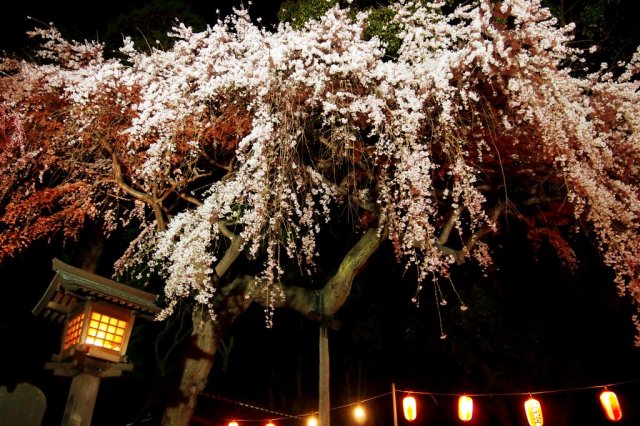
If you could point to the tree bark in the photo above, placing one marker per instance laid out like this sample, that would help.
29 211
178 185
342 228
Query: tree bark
197 364
206 338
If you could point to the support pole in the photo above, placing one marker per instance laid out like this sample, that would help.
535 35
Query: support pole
323 400
326 322
395 406
86 373
81 400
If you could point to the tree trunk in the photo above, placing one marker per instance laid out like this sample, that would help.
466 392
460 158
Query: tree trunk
206 338
197 364
92 252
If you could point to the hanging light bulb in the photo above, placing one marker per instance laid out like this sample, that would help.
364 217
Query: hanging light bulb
409 407
610 405
534 411
312 421
465 408
233 424
359 414
270 424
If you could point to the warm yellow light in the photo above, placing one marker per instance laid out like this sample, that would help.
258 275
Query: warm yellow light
233 424
610 405
105 331
465 408
534 412
359 414
312 421
74 330
409 407
270 424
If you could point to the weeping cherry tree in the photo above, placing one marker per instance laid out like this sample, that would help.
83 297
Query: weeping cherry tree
234 154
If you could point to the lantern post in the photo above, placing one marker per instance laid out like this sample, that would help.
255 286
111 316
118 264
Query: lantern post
98 316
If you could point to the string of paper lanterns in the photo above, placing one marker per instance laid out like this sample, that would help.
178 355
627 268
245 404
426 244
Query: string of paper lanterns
533 408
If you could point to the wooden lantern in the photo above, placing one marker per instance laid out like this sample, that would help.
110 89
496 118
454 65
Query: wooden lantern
101 331
98 313
465 408
533 409
610 405
98 316
409 408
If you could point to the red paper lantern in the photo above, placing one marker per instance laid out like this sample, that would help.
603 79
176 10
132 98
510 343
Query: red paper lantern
465 408
534 412
409 407
610 405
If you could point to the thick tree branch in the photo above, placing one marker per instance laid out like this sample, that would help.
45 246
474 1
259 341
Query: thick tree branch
448 227
139 195
459 255
230 255
303 300
338 287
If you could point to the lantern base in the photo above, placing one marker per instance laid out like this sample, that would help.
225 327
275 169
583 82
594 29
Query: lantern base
80 363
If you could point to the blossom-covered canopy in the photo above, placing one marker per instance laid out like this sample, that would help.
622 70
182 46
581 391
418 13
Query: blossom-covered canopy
239 141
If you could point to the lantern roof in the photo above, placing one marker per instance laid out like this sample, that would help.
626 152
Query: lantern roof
72 285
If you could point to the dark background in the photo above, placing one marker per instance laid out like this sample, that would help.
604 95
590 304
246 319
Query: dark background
108 21
531 325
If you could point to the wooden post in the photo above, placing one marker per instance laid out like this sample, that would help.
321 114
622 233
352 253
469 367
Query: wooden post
86 373
395 406
323 402
81 400
326 322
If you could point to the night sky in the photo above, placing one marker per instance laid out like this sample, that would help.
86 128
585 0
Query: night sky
531 325
81 20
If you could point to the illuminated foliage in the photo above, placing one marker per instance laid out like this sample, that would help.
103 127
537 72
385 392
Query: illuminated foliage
241 134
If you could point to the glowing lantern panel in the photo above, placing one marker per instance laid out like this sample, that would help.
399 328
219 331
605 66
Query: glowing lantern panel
534 412
465 408
409 407
610 405
74 330
105 331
